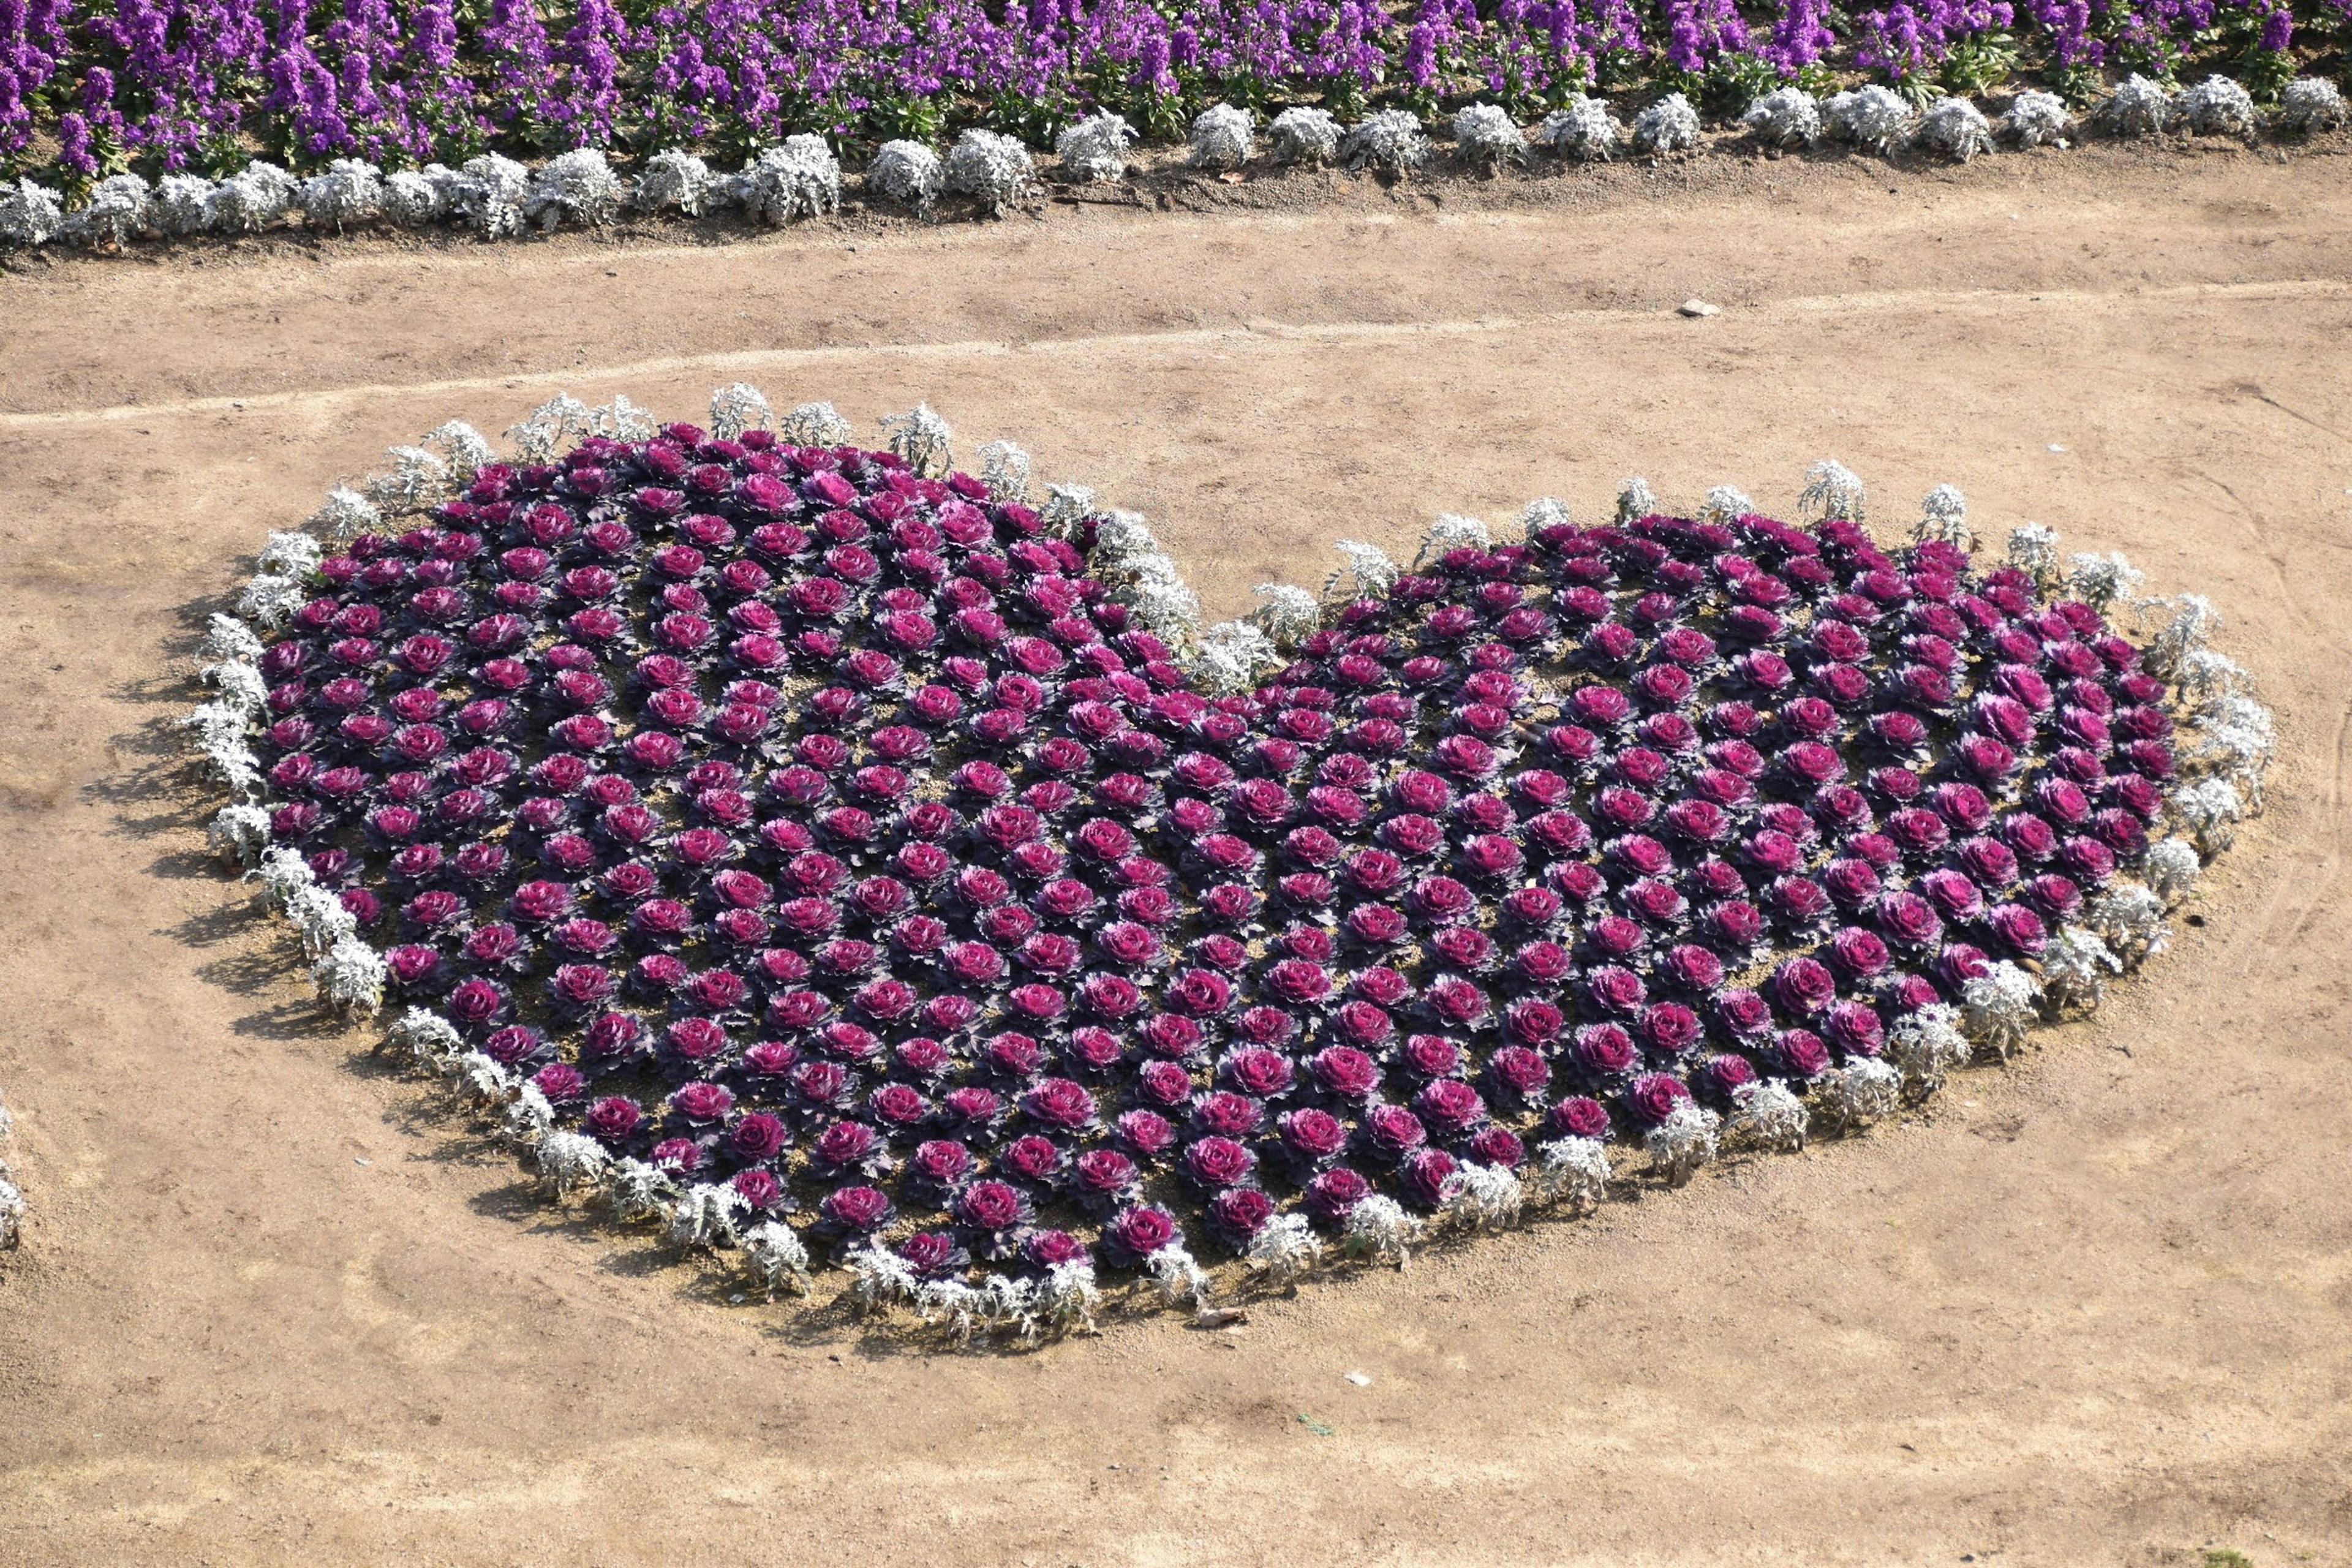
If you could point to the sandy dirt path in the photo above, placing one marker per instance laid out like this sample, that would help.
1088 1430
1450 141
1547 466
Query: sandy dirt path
275 1305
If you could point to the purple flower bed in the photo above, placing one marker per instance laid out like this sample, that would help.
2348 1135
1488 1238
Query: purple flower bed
800 825
87 89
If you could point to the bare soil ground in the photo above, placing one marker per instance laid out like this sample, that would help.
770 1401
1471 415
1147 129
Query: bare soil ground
275 1305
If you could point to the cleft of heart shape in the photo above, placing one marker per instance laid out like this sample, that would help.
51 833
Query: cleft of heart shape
813 844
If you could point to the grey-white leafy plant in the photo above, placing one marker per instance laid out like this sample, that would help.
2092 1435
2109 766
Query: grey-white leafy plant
922 438
348 192
815 425
1955 128
1544 511
1580 129
1725 504
737 407
776 1258
182 205
909 174
1390 141
1365 570
1288 614
1861 1091
1222 137
116 211
1785 116
1929 1045
705 1217
1872 118
1286 1250
2138 107
1483 1197
2100 580
1095 149
2129 921
1998 1007
1572 1173
1944 515
1450 533
1669 125
460 445
570 1164
2076 966
2219 107
12 1196
2172 866
673 180
1768 1114
413 197
578 186
344 512
1486 138
30 213
415 478
1006 470
2209 811
1687 1139
1380 1230
801 179
2033 550
252 199
1066 507
2038 120
1305 135
1231 657
994 170
2312 104
489 192
1833 490
1177 1278
2193 622
1635 501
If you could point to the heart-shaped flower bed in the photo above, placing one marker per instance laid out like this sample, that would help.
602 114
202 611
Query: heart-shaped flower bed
827 856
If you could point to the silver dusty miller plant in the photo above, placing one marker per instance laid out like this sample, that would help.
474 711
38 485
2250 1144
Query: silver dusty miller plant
1222 137
1390 141
1833 490
1095 149
2038 120
922 438
1581 130
348 192
577 187
1785 116
489 193
1871 118
117 211
2310 105
2219 107
1305 135
815 425
415 197
2138 107
1955 128
910 174
1485 136
1669 125
675 181
801 179
994 171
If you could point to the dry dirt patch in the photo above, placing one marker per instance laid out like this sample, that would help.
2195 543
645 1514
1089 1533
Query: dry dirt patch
273 1308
